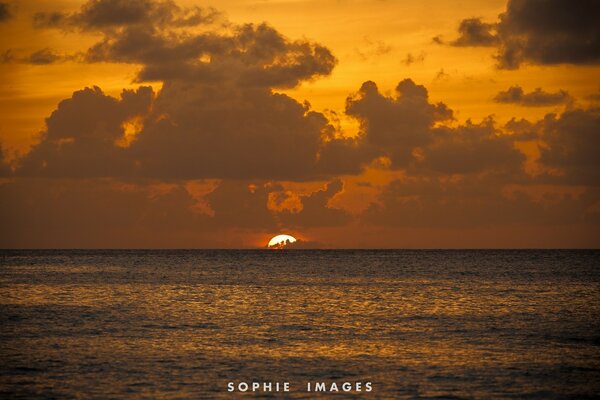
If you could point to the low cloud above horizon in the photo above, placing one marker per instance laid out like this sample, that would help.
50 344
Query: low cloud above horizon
209 146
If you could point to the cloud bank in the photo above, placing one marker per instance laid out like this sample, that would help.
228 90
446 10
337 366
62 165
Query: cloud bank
218 153
538 32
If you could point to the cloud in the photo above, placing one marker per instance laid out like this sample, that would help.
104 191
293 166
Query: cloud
198 131
184 133
93 213
441 76
250 56
45 56
537 98
42 57
82 134
122 169
216 115
538 32
475 202
165 40
373 49
470 148
241 205
315 210
5 169
396 125
107 15
39 212
412 59
411 132
437 39
474 32
304 244
572 144
549 32
5 13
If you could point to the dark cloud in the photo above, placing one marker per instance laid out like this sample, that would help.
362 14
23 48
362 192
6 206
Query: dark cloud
572 144
117 170
549 32
110 213
42 57
539 32
251 55
188 132
158 35
470 148
241 205
93 213
437 39
82 134
537 98
108 15
345 156
396 125
5 13
315 209
214 132
474 32
197 131
473 202
410 131
216 115
45 56
305 244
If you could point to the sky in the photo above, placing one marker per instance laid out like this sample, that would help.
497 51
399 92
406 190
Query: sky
345 123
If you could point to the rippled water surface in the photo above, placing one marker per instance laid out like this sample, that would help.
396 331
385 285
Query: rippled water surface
417 324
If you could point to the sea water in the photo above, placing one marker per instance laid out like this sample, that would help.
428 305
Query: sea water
197 323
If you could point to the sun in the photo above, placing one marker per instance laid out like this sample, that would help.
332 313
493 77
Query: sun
280 241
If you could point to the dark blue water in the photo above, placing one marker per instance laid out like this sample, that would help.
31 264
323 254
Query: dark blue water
416 324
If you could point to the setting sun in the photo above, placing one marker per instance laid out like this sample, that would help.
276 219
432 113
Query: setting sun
281 241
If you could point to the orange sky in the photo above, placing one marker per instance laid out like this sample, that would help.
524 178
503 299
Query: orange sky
391 168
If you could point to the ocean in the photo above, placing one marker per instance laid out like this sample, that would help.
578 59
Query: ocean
179 324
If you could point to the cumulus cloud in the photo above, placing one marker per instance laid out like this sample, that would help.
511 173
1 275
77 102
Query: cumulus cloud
572 144
216 115
474 32
538 32
536 98
409 130
316 211
120 168
158 35
396 125
198 131
82 134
